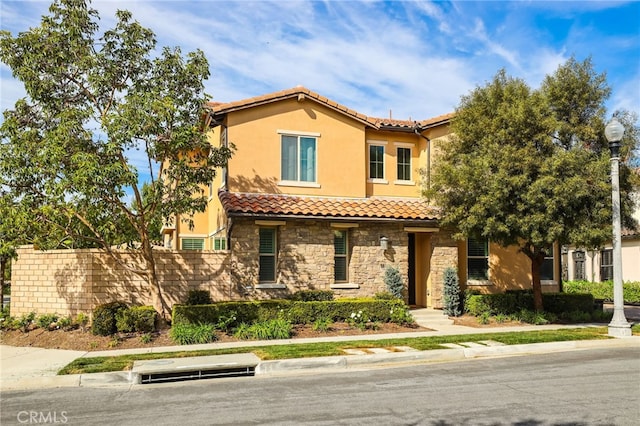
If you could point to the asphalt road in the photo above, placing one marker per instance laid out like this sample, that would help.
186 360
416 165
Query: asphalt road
587 387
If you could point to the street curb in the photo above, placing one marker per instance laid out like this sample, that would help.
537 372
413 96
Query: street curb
339 363
399 359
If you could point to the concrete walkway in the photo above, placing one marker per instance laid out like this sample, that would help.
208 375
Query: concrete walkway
29 368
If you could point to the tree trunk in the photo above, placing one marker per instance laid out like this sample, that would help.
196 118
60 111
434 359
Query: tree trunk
159 303
3 265
536 264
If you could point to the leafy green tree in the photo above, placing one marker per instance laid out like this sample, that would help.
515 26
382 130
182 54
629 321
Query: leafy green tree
94 103
531 167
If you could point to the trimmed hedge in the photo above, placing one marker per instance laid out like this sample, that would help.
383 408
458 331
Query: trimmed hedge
312 295
512 302
604 290
296 312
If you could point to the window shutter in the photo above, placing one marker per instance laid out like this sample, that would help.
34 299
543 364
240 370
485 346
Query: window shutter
267 241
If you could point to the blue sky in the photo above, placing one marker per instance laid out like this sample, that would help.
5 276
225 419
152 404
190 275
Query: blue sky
413 59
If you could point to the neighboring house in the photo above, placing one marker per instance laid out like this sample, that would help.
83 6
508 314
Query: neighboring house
320 196
597 265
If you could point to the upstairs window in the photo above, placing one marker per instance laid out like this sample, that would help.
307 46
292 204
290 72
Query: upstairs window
477 259
404 163
376 162
267 265
298 158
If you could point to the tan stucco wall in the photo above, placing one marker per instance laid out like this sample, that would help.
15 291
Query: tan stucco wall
630 261
508 270
255 166
71 281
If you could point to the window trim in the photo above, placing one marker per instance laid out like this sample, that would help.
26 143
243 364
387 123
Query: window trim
345 255
192 239
298 135
551 257
408 181
476 281
381 144
609 266
274 255
219 239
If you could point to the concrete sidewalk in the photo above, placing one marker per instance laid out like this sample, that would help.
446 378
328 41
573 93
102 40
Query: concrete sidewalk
33 368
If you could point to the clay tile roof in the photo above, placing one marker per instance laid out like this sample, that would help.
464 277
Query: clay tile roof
431 122
278 205
301 93
295 92
390 122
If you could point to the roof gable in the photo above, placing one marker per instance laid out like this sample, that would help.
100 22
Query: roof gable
217 110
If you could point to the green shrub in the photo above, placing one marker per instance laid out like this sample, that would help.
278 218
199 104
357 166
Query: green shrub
384 295
451 293
604 290
401 315
65 323
199 297
24 322
514 302
46 320
294 311
191 334
322 324
313 295
393 281
358 319
136 319
265 330
104 318
601 316
532 317
81 320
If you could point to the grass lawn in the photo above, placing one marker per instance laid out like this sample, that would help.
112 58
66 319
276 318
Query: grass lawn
304 350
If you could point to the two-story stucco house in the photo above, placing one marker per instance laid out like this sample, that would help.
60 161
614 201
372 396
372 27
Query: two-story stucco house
320 196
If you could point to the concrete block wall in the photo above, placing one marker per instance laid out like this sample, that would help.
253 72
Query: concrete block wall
68 282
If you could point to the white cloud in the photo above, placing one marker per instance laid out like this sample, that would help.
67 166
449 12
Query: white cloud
414 58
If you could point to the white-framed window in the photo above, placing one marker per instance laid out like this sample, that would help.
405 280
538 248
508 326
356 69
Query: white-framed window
477 259
606 264
298 157
403 155
376 162
267 262
546 270
192 243
219 243
341 255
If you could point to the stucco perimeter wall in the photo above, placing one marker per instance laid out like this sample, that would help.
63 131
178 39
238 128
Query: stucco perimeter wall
305 258
67 282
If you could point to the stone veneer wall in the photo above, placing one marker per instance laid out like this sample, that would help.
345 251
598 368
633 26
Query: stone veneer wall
444 254
305 257
67 282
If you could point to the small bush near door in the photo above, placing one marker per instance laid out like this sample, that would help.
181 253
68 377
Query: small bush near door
451 293
393 281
